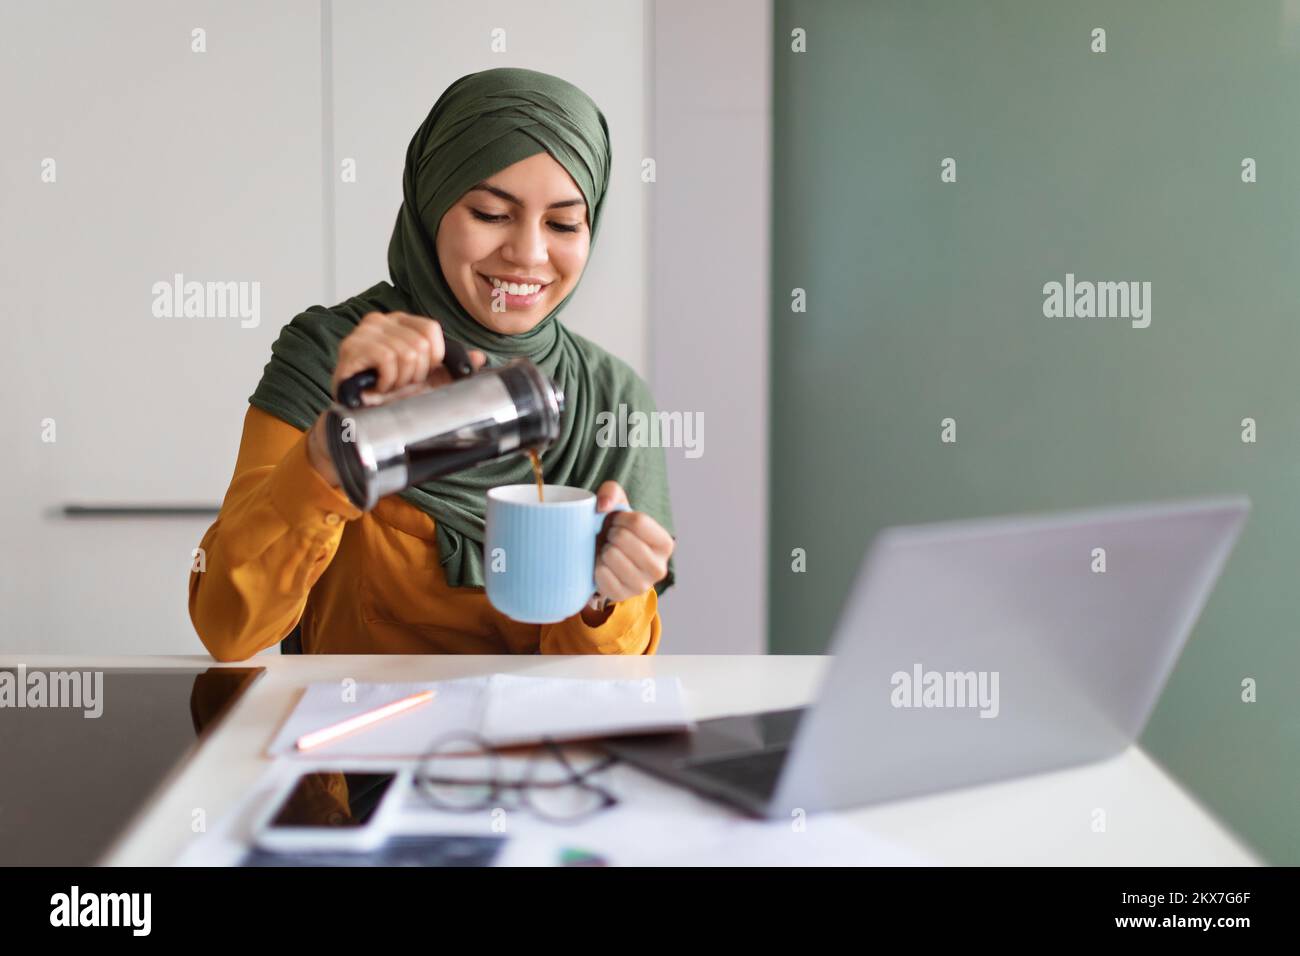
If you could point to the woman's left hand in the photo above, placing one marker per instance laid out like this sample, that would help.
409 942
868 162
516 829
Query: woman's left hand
633 552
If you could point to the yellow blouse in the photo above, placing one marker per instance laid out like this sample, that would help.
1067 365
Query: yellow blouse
288 547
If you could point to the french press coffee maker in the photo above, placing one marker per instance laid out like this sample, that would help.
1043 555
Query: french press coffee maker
480 417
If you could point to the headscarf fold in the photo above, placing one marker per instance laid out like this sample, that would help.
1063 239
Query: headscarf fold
483 123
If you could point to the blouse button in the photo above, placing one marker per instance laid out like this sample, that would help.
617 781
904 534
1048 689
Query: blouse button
331 518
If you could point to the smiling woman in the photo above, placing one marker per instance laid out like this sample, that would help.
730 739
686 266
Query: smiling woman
502 191
508 249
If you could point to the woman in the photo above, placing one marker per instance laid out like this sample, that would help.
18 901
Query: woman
503 186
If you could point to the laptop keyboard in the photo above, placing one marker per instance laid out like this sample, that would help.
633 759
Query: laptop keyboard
756 773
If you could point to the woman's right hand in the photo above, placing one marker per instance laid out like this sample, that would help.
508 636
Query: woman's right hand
406 352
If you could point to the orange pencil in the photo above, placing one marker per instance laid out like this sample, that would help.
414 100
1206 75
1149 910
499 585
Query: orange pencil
318 738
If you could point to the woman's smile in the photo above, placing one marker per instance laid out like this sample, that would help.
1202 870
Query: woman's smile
528 294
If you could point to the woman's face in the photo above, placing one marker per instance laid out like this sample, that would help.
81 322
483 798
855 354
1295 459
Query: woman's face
525 225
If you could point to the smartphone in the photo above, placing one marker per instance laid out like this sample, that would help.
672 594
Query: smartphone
333 809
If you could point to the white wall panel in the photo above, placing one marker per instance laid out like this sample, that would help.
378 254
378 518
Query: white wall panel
168 161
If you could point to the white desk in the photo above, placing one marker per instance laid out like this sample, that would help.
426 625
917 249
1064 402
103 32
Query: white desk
1045 819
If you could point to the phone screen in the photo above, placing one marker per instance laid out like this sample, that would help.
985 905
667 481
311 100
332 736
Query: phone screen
333 800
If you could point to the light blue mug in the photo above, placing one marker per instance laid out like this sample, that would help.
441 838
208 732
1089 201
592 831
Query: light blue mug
539 557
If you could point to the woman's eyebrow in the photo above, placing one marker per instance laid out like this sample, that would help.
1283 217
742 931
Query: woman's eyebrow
501 193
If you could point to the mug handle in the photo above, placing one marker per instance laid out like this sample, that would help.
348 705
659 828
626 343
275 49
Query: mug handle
598 518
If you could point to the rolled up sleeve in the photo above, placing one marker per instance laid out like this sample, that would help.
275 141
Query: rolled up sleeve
279 527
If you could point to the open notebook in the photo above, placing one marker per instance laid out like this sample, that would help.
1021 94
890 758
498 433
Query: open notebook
503 709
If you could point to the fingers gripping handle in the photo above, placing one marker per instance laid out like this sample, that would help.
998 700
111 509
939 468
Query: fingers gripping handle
455 359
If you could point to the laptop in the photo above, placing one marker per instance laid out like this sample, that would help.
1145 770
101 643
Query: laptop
973 651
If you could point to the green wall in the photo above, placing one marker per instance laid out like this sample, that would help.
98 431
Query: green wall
924 301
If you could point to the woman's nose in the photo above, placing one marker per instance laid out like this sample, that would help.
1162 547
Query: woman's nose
527 246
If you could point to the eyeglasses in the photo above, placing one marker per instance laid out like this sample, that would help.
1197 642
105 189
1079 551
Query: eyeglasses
451 777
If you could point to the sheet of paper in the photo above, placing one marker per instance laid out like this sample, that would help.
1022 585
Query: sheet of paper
655 824
503 709
820 840
524 709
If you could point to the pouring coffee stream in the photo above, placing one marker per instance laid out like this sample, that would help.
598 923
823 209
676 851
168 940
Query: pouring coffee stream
382 449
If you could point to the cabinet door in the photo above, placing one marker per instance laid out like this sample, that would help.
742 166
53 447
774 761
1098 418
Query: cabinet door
166 161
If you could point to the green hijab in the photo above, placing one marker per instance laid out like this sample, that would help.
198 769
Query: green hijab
481 124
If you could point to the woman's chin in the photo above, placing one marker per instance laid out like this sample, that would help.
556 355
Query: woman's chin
511 323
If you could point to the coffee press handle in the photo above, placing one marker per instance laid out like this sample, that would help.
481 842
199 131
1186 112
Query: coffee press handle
455 359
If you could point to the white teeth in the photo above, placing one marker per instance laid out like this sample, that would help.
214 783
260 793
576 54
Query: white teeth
515 288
